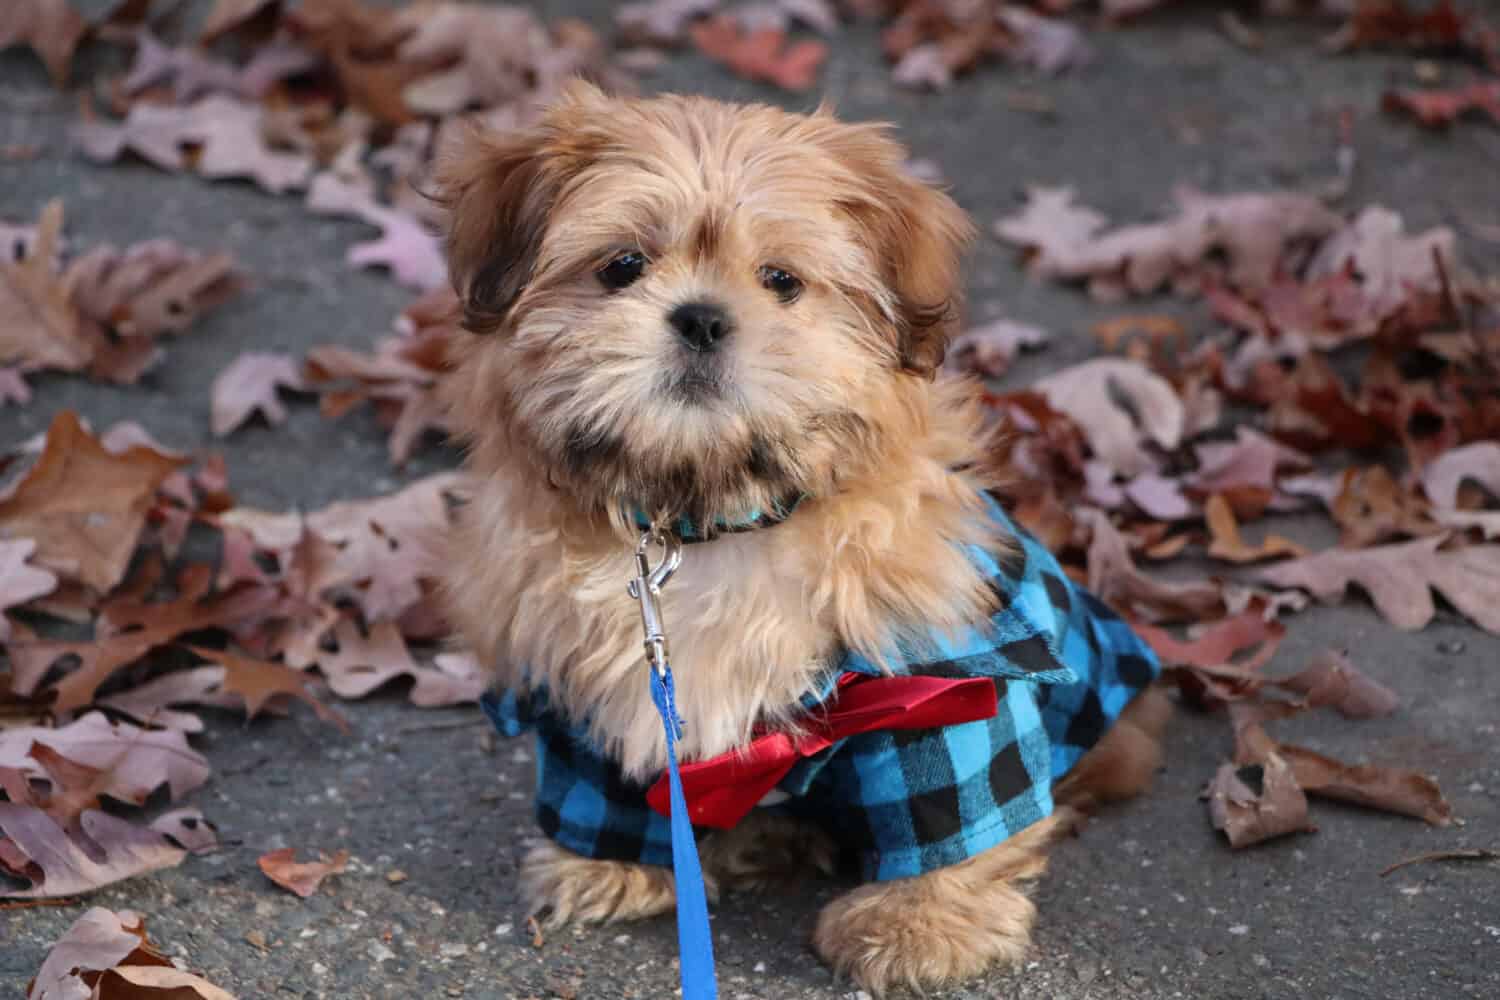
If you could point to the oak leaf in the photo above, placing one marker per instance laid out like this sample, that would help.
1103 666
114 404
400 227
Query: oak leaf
217 137
411 252
249 386
100 939
364 663
260 683
1400 579
1226 542
39 325
133 762
1254 231
1396 790
1441 108
1258 801
390 547
227 16
1389 264
659 22
52 29
20 582
1478 463
300 877
1086 392
59 866
1331 679
989 349
1114 579
763 54
83 506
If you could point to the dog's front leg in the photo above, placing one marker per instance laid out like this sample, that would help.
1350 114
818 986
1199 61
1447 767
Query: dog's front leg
949 924
559 886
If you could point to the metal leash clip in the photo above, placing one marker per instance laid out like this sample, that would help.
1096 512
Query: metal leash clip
646 589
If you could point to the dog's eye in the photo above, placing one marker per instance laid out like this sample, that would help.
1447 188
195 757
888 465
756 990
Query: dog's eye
623 270
786 285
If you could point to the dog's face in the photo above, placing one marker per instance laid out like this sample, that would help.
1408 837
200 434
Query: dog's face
687 307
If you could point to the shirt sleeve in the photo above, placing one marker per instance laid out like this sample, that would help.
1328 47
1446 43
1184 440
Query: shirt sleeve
583 802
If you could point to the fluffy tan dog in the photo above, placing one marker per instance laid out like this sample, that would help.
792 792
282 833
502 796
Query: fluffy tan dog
695 310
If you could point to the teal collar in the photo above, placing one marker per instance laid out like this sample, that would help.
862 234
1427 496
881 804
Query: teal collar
689 532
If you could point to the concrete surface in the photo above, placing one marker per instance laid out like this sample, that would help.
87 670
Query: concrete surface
1148 903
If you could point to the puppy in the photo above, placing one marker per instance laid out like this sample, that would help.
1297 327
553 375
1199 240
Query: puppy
726 322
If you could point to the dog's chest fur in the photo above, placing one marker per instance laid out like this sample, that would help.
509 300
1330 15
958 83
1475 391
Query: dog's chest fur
753 619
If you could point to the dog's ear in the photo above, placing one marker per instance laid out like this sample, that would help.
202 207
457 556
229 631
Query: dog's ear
497 194
916 233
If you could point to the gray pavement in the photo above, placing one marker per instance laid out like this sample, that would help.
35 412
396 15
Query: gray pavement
1147 903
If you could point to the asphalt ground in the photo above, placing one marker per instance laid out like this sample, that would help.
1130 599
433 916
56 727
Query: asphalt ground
1149 902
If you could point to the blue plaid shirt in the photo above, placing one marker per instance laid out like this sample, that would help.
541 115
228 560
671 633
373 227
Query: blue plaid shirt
905 801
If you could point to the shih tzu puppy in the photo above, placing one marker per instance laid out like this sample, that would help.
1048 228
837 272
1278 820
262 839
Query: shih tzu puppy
725 322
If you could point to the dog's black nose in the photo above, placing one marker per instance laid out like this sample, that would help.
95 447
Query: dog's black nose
701 325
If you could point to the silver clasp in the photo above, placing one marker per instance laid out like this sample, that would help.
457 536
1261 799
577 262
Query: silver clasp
646 589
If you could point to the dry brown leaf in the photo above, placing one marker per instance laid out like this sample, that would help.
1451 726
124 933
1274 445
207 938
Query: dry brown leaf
1400 579
1256 802
1114 579
364 663
249 386
1371 508
98 940
1086 393
1389 264
1390 789
1441 108
149 289
1478 463
216 137
1254 231
490 55
989 349
157 981
83 506
659 22
300 877
230 15
406 246
130 763
192 72
399 378
52 28
151 703
762 54
20 582
258 683
1227 544
59 866
389 547
1331 679
1246 472
39 325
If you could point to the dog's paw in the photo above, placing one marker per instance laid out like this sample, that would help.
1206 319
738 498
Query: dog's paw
907 934
560 886
944 926
765 850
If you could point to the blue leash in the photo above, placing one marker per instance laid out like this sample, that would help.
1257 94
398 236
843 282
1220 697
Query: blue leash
695 942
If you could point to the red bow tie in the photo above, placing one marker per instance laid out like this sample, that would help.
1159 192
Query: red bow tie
722 789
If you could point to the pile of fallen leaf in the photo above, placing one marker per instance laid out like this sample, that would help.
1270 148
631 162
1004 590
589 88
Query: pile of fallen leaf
180 600
107 956
1345 369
